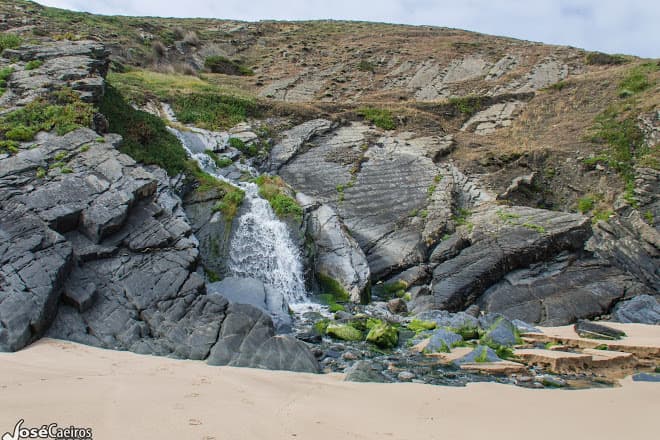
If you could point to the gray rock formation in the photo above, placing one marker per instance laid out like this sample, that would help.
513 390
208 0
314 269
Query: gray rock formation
360 171
338 255
97 249
643 309
499 115
80 65
293 140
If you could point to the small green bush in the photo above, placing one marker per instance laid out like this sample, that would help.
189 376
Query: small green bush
467 105
599 58
273 190
637 79
220 64
5 73
366 66
381 118
586 204
34 64
9 41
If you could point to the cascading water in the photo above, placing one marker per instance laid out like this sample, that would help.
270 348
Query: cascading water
260 247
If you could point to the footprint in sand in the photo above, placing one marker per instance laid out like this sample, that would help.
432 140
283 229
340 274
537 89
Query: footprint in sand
194 422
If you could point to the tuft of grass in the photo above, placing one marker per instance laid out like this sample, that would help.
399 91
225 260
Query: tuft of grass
41 173
145 136
637 79
467 105
461 217
419 326
220 161
250 150
9 41
231 200
273 189
586 204
381 118
366 66
649 218
534 227
214 112
5 73
34 64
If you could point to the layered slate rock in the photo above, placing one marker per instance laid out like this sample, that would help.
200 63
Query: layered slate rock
338 255
80 65
359 171
631 239
502 240
558 291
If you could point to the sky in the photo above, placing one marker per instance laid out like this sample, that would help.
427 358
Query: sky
612 26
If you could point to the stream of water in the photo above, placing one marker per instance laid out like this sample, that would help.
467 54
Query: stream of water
260 244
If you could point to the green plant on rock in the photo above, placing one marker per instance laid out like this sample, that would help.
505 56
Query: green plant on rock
144 136
62 112
230 202
5 73
586 204
41 173
467 105
380 117
34 64
220 64
9 41
274 190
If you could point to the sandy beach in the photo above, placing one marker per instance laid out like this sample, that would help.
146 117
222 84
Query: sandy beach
130 396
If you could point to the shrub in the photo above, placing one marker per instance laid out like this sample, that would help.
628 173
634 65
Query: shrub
34 64
366 66
191 39
637 79
381 118
232 199
220 64
4 76
159 49
599 58
467 105
9 41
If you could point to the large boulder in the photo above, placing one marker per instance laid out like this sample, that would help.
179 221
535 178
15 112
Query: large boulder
643 309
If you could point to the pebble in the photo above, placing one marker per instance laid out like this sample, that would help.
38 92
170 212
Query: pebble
406 376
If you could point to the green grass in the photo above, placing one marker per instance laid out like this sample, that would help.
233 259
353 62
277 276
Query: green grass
34 64
194 100
9 41
637 79
231 200
419 326
220 161
381 118
145 137
461 217
586 204
649 218
273 189
366 66
220 64
534 227
5 73
467 105
250 150
62 112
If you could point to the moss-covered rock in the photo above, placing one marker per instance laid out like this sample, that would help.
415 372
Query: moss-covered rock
383 335
344 332
418 326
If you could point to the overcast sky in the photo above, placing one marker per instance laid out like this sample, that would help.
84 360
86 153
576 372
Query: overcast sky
614 26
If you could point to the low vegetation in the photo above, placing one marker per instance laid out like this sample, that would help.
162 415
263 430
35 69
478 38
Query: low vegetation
5 73
61 112
9 41
604 59
381 118
145 136
34 64
274 190
231 200
220 64
467 105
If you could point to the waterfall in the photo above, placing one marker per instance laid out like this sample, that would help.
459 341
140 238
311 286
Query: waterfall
260 247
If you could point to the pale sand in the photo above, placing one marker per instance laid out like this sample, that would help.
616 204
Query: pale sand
636 334
127 396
